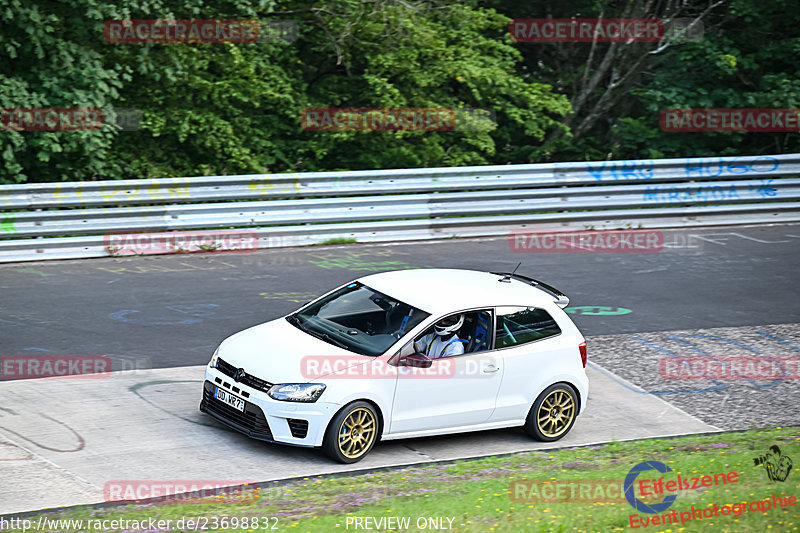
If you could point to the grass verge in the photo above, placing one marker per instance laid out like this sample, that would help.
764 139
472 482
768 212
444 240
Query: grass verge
481 495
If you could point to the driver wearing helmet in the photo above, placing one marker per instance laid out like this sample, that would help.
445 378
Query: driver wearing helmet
443 342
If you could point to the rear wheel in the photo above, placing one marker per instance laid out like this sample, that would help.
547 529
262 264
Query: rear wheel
352 433
553 413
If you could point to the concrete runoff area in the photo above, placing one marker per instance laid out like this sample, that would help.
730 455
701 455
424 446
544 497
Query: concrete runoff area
62 440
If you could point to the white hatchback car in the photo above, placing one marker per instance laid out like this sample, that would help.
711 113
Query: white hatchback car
402 354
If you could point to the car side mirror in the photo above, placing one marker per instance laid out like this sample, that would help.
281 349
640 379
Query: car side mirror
416 360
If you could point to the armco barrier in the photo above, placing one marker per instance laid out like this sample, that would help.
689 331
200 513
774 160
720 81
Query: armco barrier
70 219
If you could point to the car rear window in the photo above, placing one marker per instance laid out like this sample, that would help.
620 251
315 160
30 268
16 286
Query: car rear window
520 325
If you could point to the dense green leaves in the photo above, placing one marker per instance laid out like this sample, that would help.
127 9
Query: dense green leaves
234 108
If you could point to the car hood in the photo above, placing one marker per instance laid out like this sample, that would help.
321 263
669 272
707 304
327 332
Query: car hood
279 352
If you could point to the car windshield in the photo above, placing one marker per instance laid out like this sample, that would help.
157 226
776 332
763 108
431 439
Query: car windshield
358 319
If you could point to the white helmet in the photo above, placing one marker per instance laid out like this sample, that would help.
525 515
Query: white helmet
449 325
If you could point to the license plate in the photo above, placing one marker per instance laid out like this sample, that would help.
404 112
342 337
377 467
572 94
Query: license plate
230 399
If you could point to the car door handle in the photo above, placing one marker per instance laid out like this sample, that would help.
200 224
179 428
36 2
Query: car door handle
490 368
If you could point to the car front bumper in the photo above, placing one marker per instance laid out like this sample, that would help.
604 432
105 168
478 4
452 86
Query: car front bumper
295 423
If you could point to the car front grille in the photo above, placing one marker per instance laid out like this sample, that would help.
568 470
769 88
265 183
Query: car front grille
251 422
248 379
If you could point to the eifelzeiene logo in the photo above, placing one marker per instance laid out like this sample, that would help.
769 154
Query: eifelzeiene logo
655 487
639 504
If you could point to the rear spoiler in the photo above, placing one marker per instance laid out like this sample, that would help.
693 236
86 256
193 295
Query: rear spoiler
560 298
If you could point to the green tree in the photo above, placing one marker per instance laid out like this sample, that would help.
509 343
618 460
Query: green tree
225 108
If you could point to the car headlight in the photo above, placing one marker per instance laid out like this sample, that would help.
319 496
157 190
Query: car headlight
296 392
213 362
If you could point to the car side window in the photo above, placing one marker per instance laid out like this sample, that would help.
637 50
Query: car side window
520 325
474 333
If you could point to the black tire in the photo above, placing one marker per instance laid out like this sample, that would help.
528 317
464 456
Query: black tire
553 413
352 433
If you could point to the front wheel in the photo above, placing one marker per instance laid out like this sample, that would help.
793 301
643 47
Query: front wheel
352 433
553 413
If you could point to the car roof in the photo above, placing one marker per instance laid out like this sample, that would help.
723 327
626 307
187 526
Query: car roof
442 290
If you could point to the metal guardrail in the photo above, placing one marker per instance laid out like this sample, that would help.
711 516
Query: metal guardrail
71 220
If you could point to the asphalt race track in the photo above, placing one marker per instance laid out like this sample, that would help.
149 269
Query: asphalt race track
167 311
714 292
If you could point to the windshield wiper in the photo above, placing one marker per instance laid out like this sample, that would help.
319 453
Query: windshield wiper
323 336
292 319
332 340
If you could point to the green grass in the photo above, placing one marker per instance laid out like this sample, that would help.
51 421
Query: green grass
475 493
337 240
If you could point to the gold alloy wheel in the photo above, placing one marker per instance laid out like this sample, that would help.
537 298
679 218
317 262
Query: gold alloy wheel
357 433
555 413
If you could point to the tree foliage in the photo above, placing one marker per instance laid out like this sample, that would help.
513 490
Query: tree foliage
235 108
